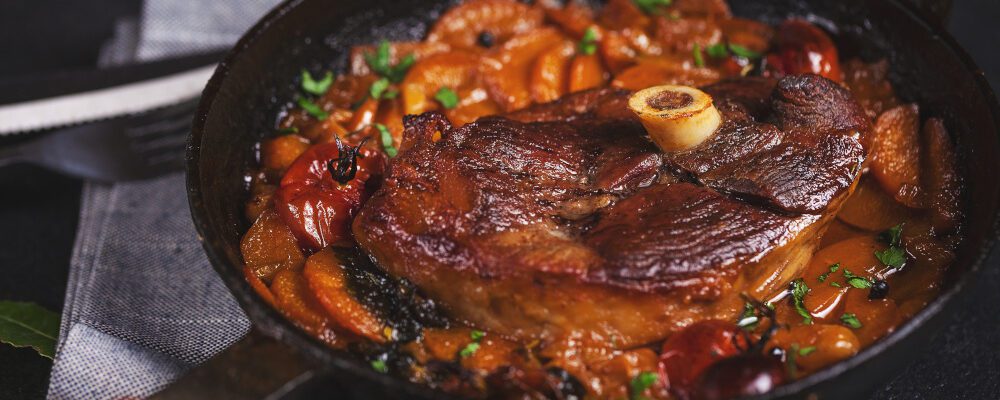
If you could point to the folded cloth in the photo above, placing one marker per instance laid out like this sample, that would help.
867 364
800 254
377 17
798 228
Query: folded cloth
143 304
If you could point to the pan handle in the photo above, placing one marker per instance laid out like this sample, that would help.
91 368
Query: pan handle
256 367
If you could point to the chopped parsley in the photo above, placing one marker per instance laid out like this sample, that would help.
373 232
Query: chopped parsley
894 256
748 319
855 281
791 367
717 50
640 383
699 61
588 43
447 97
312 109
380 366
312 86
835 284
651 6
472 347
380 90
833 268
744 52
799 290
289 130
469 350
386 137
891 236
850 320
805 351
380 63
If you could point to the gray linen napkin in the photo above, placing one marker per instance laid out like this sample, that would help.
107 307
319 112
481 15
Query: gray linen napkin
142 304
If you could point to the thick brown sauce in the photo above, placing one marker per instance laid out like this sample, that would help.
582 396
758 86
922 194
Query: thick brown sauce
536 55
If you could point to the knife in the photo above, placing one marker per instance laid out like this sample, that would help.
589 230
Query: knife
73 97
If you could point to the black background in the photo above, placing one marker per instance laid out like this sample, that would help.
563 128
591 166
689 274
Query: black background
39 209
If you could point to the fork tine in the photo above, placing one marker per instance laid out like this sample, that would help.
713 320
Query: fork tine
170 141
158 129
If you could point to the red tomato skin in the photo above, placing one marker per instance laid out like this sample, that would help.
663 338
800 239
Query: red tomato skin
317 208
690 351
803 48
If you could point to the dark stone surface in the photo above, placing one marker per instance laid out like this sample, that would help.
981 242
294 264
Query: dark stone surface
38 209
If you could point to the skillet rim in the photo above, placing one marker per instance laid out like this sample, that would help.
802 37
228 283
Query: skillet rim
269 321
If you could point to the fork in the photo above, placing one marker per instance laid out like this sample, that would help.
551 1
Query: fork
126 148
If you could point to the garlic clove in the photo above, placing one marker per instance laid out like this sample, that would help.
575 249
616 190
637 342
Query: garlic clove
676 117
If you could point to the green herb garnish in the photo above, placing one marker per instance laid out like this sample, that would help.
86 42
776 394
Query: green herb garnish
744 52
380 63
386 137
447 97
717 50
640 383
891 236
477 335
312 86
791 367
799 290
699 61
380 366
833 268
469 350
805 351
380 90
651 6
835 284
857 282
893 256
312 109
850 320
588 43
288 130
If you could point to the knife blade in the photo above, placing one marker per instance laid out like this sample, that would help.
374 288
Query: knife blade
102 94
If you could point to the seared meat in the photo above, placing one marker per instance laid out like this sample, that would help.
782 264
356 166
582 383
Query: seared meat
564 218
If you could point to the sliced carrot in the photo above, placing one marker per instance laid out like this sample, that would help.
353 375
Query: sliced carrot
269 247
878 317
940 176
838 231
549 74
507 68
347 91
397 51
869 84
870 208
895 162
621 14
457 71
574 18
325 276
616 51
646 74
364 115
291 294
680 35
325 131
390 114
586 72
829 288
829 343
461 26
259 286
706 9
278 153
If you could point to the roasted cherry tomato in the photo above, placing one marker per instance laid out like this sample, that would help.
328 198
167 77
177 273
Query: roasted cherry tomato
739 376
687 353
800 48
314 204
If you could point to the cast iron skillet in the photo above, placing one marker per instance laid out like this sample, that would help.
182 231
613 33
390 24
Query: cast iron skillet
241 103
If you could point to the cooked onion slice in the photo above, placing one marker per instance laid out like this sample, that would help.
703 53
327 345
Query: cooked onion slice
676 117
